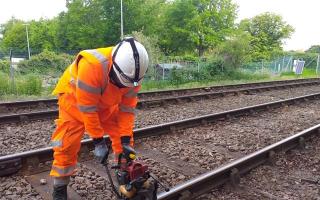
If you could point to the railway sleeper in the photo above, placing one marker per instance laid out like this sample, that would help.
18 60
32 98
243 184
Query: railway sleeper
235 178
10 167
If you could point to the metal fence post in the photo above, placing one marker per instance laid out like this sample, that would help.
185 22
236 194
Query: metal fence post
11 71
318 61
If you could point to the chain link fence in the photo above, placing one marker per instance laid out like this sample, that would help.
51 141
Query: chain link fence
282 64
181 71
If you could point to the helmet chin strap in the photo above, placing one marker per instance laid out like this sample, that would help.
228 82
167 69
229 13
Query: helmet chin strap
136 78
115 80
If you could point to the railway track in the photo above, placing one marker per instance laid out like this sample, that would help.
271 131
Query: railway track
204 143
47 107
160 102
25 135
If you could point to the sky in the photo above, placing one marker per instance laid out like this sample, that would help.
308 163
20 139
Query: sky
302 15
30 9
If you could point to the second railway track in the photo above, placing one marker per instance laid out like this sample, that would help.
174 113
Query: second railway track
47 107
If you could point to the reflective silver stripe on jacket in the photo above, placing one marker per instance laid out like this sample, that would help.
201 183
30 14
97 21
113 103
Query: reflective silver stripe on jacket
96 54
83 108
56 143
127 109
59 181
131 93
105 75
104 62
64 171
94 90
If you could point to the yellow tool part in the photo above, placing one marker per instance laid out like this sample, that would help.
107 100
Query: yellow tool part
126 193
132 156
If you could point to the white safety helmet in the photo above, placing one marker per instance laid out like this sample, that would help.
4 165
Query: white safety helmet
130 63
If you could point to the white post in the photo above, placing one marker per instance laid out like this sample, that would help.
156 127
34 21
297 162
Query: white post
318 62
121 21
163 72
28 40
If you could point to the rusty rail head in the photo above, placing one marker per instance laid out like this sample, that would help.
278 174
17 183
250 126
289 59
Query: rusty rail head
212 179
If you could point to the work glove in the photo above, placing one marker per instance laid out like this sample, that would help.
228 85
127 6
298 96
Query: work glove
128 152
101 149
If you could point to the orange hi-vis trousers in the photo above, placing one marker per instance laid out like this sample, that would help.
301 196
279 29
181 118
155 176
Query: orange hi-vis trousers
66 139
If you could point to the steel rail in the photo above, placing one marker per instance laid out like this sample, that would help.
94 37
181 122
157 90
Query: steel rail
233 171
230 86
153 102
170 92
32 161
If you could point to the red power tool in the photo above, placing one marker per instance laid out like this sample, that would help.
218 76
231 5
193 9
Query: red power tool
133 178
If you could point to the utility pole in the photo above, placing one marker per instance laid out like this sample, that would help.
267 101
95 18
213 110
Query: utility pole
121 20
28 40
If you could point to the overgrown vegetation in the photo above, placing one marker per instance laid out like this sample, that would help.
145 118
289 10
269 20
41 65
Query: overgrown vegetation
46 62
211 71
4 66
29 84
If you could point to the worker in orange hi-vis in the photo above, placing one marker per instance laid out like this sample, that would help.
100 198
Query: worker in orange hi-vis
97 94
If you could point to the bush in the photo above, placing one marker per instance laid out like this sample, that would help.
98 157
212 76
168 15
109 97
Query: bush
212 68
29 85
46 62
23 85
4 84
4 66
177 76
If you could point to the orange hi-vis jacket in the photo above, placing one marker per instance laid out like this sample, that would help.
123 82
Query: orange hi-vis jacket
86 80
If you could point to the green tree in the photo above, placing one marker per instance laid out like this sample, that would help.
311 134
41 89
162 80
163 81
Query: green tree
236 50
196 25
42 34
143 15
82 26
14 35
96 23
314 49
268 31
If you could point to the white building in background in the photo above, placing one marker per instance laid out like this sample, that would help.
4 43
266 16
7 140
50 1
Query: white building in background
15 61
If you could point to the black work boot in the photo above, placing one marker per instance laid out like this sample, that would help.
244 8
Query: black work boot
60 192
